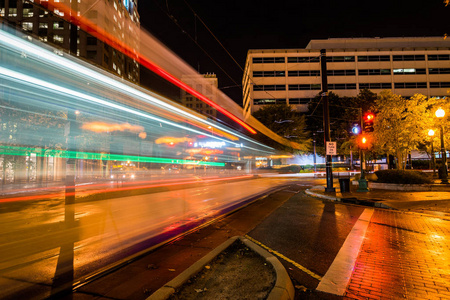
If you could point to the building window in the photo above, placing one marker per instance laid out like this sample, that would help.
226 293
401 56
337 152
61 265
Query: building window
439 57
408 57
27 12
269 101
272 87
27 26
341 72
374 72
269 73
268 60
91 41
439 71
305 59
12 12
439 84
410 85
304 87
374 58
58 39
303 73
342 86
409 71
340 58
300 100
375 86
91 54
58 25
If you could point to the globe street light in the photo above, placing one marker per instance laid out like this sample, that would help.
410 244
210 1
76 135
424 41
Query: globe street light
440 113
433 161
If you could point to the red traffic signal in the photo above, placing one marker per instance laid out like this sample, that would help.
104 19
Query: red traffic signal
368 122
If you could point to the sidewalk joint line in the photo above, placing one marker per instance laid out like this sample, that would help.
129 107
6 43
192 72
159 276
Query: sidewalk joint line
299 266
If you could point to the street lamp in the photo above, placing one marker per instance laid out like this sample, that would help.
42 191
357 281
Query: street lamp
440 113
433 159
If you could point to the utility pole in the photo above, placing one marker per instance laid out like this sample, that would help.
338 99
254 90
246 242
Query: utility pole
326 119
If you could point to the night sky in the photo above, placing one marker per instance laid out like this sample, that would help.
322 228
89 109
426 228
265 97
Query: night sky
243 25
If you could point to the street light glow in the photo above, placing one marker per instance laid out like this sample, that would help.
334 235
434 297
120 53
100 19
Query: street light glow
440 113
431 132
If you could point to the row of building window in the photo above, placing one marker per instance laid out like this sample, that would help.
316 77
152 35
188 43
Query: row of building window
363 58
363 72
352 86
282 101
302 100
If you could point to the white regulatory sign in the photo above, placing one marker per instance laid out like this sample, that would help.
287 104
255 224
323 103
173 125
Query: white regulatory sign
331 148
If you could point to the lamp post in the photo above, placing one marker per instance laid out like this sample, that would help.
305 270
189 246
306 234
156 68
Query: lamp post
433 159
440 113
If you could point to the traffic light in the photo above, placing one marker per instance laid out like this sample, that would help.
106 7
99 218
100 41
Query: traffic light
363 142
355 128
368 122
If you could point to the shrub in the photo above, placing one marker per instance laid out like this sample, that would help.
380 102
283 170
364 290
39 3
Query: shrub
403 177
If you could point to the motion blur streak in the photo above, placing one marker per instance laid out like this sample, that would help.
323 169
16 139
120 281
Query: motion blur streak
29 50
117 43
136 186
94 169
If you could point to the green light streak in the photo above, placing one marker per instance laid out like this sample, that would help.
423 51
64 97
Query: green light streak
23 151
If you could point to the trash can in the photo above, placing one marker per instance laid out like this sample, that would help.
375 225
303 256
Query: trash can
344 184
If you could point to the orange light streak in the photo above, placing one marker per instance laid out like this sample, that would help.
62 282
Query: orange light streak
88 26
154 185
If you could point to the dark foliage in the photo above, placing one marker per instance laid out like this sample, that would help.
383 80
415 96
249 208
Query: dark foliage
403 177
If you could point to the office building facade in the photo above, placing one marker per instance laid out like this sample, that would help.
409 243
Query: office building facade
404 65
207 85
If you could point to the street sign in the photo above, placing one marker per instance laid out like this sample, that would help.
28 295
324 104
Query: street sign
331 148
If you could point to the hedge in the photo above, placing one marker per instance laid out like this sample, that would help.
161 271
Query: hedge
403 177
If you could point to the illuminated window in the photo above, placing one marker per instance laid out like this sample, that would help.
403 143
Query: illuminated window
58 25
409 71
43 38
114 67
28 26
12 12
58 39
43 25
27 12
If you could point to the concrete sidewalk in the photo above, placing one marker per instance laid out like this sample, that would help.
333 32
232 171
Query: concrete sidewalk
437 200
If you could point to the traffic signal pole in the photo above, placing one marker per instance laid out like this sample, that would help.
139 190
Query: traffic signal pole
362 182
326 119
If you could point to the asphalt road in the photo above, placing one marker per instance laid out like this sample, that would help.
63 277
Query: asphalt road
45 244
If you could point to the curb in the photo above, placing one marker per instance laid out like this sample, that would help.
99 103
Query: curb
283 289
348 200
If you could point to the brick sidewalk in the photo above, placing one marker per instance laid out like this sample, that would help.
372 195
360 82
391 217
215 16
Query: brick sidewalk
403 256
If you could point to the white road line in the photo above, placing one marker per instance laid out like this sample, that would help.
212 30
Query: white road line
338 275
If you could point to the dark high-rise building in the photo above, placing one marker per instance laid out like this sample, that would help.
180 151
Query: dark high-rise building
40 18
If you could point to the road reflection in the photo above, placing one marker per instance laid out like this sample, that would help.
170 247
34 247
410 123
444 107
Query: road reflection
46 245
